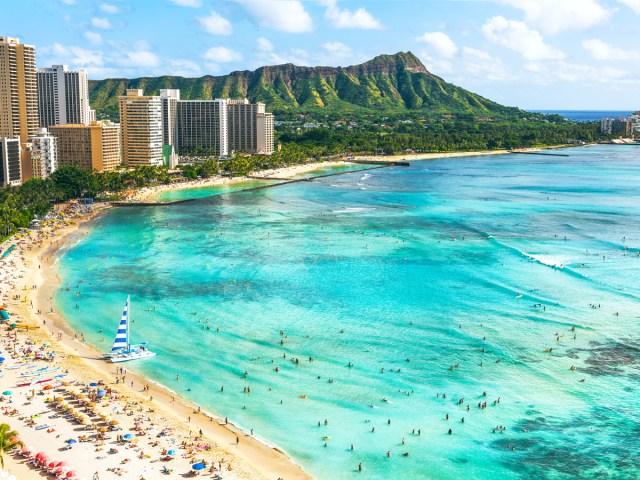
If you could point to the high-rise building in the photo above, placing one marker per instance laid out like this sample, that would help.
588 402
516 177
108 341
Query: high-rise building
250 127
141 129
264 132
89 147
169 99
63 96
10 162
43 151
201 128
18 91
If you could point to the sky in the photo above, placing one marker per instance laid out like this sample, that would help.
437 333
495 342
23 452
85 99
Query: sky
533 54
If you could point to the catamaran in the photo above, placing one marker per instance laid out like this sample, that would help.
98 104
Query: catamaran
122 350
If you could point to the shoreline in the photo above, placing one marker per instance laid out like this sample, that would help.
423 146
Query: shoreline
151 194
253 457
250 458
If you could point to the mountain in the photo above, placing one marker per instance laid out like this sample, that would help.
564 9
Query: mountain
397 83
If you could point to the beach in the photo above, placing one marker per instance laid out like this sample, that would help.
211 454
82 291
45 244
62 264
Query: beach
140 407
310 288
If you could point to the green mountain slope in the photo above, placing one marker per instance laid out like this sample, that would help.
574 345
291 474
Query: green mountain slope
389 83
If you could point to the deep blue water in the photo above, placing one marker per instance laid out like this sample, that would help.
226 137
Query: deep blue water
587 115
457 276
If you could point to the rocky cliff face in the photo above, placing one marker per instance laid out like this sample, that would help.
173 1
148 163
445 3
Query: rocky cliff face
390 83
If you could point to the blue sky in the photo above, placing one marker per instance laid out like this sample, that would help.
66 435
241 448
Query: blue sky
547 54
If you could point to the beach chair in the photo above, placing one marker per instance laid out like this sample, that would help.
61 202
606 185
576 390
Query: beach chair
42 427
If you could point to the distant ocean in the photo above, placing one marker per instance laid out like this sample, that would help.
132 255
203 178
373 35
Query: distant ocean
586 115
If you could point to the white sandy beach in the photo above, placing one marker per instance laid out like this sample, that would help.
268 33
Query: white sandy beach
157 420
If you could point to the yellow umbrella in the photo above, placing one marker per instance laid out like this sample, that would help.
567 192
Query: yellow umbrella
114 422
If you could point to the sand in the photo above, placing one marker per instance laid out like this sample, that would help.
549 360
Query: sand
143 409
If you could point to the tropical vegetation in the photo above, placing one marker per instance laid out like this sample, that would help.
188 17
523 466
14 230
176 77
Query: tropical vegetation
8 441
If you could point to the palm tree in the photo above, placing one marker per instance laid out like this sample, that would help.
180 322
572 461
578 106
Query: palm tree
8 441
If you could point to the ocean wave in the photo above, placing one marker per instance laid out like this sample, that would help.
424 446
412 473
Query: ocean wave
354 210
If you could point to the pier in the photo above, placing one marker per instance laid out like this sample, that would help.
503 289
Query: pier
542 154
276 183
401 163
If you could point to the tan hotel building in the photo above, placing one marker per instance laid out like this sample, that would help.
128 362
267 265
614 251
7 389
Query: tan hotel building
141 129
89 147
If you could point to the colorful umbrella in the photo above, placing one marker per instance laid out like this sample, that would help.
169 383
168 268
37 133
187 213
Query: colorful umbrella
198 466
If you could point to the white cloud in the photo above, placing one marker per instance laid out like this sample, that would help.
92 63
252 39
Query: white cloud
107 8
139 59
187 3
264 45
603 51
215 24
342 18
60 54
632 4
480 64
184 68
574 73
337 50
519 37
284 15
222 55
440 44
93 37
554 16
102 23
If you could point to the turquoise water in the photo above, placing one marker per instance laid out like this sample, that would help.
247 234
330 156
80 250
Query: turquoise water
207 191
455 276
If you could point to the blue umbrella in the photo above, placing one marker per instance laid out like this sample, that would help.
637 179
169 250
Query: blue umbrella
198 466
171 452
127 436
101 393
7 392
1 359
93 384
71 441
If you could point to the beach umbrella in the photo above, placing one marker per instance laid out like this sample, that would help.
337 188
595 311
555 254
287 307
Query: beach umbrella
2 359
72 473
47 387
61 464
15 438
59 470
102 429
7 392
198 466
93 384
171 452
114 422
52 465
39 455
71 441
127 436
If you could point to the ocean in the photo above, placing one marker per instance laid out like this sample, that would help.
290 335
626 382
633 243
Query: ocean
394 303
587 115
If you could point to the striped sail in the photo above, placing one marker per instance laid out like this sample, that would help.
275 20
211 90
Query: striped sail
121 340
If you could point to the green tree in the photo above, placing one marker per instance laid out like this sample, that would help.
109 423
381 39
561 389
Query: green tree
8 441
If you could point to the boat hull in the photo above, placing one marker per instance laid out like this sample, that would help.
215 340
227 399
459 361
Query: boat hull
125 357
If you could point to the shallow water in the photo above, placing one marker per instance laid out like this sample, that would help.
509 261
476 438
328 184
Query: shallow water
237 186
413 270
